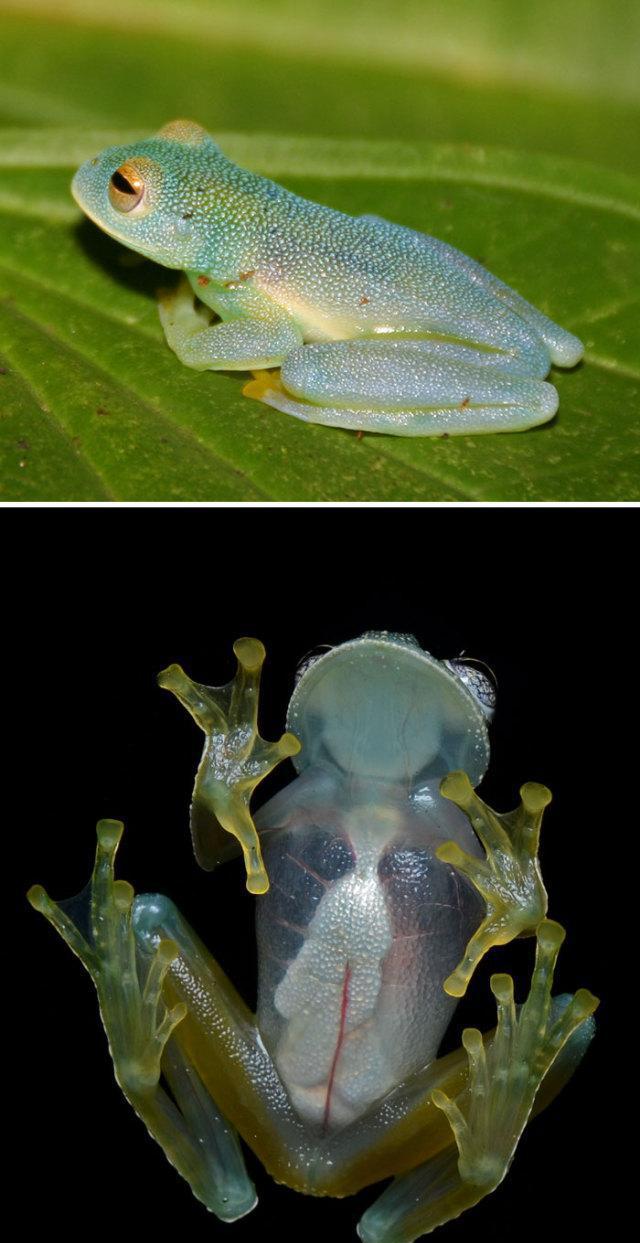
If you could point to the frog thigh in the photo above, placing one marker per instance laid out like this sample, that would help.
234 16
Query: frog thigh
564 348
233 345
406 388
219 1041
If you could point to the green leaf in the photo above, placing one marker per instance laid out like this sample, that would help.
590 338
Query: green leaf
489 99
559 76
96 407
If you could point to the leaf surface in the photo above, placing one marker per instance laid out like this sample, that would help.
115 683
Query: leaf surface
99 408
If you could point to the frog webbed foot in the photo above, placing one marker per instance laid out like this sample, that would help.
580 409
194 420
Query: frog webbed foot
235 759
508 879
488 1117
139 1026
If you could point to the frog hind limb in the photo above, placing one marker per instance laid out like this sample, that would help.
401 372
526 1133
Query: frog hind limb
490 1114
194 1136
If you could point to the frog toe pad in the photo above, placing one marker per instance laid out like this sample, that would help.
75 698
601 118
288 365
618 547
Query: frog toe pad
508 878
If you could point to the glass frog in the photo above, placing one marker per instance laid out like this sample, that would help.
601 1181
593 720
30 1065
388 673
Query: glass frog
381 879
374 326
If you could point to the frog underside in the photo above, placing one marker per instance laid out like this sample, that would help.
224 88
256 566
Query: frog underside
384 886
360 928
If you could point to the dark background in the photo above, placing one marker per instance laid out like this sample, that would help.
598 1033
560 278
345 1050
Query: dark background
98 603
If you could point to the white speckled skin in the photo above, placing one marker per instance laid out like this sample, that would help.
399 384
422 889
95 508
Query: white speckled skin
362 923
375 326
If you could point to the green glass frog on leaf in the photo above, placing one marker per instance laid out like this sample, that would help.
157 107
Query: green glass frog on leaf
381 879
374 326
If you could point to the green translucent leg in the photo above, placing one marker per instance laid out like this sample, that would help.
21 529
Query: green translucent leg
261 339
234 760
489 1116
194 1137
508 879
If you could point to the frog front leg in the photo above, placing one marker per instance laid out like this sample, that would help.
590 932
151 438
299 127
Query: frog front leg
489 1116
406 388
508 879
261 338
234 760
141 1028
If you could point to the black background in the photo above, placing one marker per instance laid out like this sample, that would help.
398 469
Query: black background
97 603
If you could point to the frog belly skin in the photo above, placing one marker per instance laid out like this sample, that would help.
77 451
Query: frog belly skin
330 1055
356 934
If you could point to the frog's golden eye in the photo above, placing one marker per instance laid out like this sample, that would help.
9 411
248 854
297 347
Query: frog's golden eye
126 188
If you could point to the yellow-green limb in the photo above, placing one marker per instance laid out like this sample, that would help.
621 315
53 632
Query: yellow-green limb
234 761
490 1114
139 1026
508 878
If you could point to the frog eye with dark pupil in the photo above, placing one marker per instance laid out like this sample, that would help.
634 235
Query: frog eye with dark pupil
126 188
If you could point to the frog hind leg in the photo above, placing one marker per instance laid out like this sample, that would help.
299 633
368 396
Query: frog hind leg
407 388
489 1116
565 349
141 1029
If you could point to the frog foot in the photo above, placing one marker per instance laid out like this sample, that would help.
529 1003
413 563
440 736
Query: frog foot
508 879
490 1115
137 1022
263 382
129 978
235 759
509 1075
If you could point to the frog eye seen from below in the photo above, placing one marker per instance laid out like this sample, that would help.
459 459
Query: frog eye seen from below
310 659
126 188
478 679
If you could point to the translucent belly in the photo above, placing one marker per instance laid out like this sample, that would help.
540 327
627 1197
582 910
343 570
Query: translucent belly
360 928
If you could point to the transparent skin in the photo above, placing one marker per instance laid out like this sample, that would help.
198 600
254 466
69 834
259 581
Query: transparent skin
374 326
381 880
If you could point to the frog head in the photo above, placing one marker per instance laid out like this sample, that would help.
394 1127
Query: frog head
381 708
155 195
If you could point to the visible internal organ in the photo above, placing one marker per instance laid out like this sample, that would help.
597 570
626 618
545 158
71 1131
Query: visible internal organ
434 912
331 1054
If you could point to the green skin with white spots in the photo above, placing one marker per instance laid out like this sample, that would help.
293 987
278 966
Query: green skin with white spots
375 327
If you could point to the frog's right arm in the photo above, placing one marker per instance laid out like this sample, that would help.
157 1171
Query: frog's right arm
261 338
